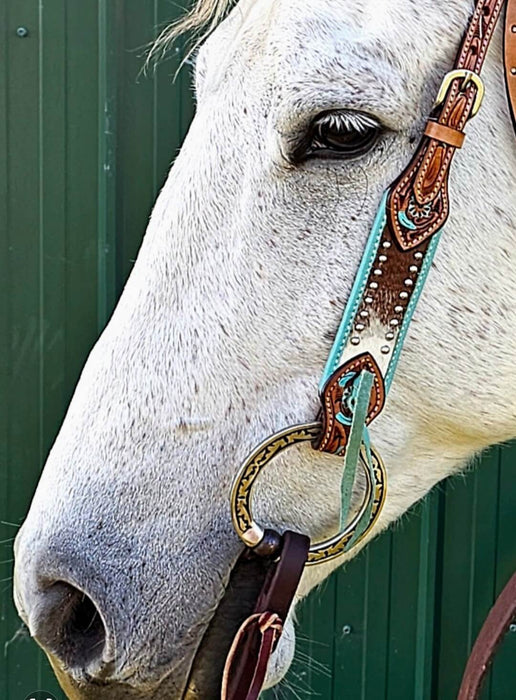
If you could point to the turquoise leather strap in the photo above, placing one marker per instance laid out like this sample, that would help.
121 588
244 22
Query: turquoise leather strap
360 403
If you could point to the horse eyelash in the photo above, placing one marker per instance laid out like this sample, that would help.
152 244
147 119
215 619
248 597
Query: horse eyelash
337 120
346 121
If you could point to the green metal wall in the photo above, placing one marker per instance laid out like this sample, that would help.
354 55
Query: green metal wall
85 143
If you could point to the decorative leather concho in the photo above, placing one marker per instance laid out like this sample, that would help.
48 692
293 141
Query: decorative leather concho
336 396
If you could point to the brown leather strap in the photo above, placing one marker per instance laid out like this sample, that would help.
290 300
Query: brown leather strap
246 664
509 51
270 627
493 631
419 203
445 134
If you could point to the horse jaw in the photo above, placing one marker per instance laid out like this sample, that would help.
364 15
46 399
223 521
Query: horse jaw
225 324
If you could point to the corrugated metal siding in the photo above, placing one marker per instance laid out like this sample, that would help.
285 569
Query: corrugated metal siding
86 141
415 599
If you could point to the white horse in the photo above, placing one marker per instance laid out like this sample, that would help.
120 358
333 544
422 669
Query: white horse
306 111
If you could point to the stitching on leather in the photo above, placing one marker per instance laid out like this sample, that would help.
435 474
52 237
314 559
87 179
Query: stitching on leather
420 176
406 178
471 32
372 412
417 172
450 150
329 428
413 242
488 33
395 195
450 102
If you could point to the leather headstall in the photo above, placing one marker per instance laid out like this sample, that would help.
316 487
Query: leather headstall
361 366
416 209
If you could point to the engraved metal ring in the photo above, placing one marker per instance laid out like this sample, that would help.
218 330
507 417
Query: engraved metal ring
251 533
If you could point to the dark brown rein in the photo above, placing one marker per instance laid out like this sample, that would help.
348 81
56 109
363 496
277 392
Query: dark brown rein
489 639
424 181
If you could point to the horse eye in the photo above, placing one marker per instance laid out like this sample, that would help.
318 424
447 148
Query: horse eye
342 135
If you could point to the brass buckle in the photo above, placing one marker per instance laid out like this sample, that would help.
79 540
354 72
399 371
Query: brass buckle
468 76
252 534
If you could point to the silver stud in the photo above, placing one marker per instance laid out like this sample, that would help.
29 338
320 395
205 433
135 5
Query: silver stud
513 70
377 272
413 268
398 309
513 29
374 285
382 258
418 255
385 349
386 244
403 295
355 340
368 300
394 322
389 335
359 327
408 283
364 313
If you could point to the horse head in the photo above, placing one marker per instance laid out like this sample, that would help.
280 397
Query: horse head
305 113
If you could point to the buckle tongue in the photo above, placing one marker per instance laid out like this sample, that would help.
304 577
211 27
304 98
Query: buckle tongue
468 77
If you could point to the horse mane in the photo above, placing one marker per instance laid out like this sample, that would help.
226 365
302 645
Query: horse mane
198 22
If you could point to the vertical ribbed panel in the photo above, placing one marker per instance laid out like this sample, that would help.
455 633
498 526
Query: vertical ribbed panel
85 144
416 598
110 17
86 141
24 334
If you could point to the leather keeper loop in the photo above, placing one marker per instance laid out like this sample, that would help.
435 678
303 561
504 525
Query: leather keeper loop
445 134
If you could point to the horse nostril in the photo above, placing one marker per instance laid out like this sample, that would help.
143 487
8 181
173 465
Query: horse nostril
69 626
83 631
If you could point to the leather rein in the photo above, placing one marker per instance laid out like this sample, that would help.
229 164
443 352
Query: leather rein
361 366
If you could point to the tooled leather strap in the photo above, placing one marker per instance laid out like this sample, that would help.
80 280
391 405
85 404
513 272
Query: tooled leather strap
509 51
490 636
246 664
419 202
402 244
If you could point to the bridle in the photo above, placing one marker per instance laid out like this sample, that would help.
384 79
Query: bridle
361 367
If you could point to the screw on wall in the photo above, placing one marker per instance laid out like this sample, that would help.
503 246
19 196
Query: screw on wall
22 32
512 627
347 629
